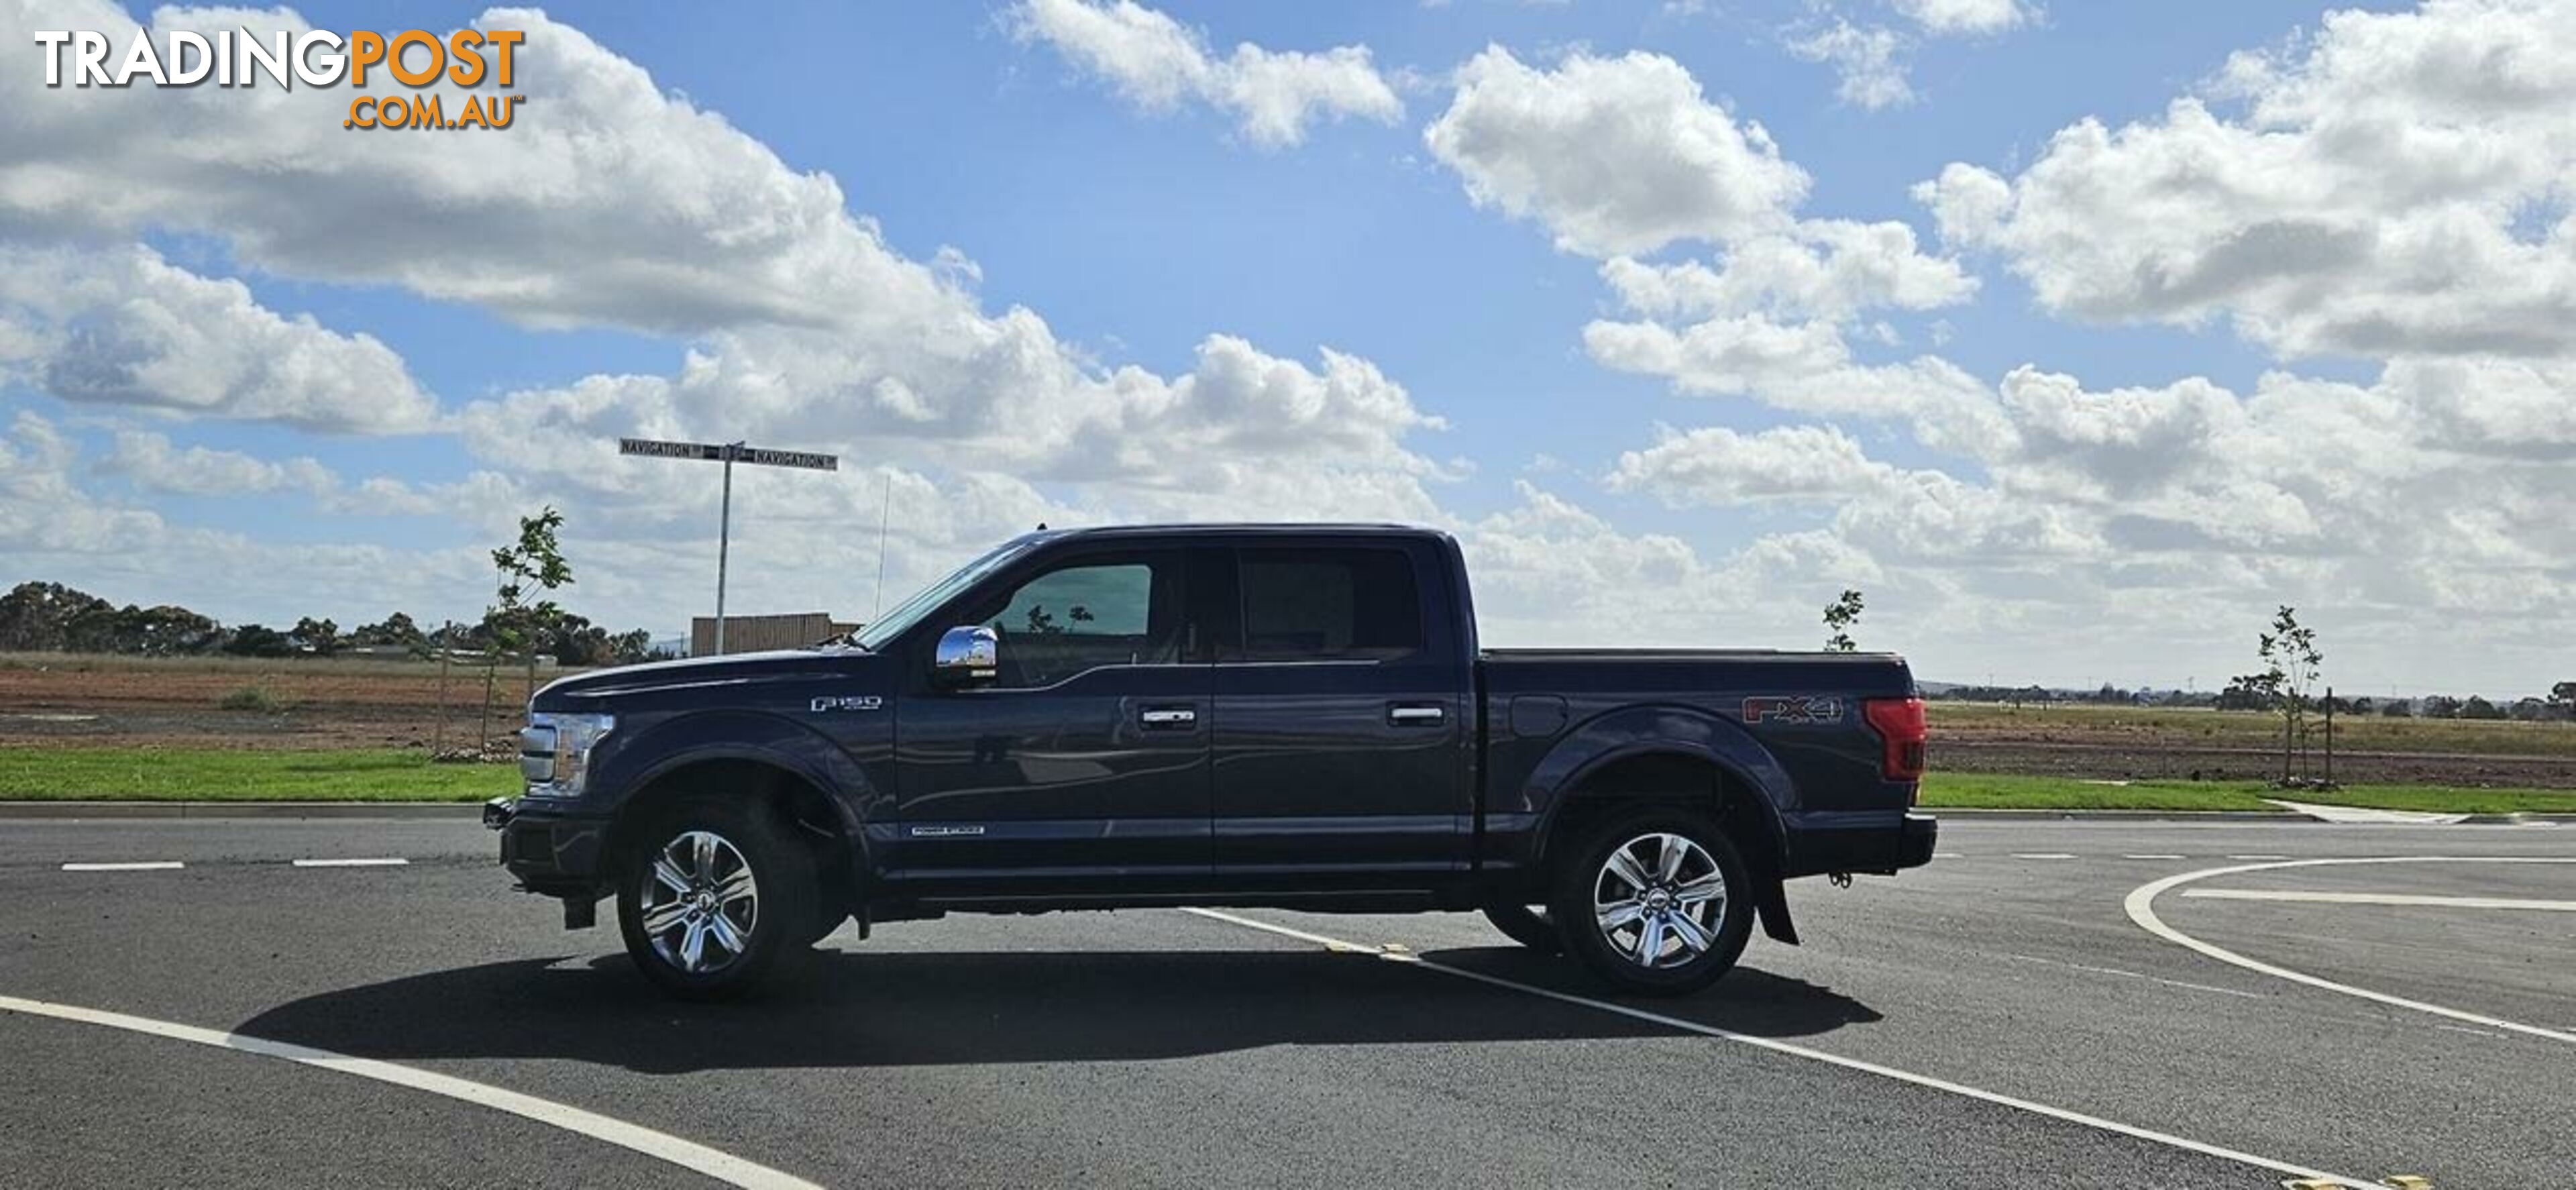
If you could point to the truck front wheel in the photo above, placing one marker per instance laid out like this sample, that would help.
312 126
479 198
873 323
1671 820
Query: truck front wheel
714 897
1656 902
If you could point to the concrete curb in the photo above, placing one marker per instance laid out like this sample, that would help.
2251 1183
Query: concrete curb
143 809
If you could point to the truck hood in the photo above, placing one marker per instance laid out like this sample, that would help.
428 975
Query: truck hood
588 690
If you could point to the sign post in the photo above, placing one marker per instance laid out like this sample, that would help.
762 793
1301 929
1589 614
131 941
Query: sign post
727 453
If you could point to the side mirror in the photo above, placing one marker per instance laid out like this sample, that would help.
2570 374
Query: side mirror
967 654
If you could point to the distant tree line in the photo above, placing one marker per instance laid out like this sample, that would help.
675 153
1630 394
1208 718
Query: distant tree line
52 618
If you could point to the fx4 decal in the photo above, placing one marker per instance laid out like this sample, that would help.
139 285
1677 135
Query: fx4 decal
847 702
1793 708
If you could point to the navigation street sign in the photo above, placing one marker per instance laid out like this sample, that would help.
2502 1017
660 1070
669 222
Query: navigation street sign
716 452
727 453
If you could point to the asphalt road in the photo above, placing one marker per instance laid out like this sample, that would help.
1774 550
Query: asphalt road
1998 1019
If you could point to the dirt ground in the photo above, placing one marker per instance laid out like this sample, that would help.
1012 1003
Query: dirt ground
299 703
318 703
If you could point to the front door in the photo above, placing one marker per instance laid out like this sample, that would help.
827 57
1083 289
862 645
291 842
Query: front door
1341 723
1085 762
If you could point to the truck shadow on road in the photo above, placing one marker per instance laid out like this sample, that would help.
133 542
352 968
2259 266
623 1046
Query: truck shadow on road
874 1008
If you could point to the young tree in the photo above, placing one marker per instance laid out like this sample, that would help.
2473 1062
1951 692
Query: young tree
319 636
1840 617
2290 659
535 560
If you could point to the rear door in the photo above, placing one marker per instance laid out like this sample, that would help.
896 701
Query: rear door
1341 733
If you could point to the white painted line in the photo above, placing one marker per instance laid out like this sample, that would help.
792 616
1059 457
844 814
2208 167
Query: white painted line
2173 983
722 1166
2141 907
164 865
351 863
1948 855
2258 857
2356 898
2156 855
2041 855
1814 1055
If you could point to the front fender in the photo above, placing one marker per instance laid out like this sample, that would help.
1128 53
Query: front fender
1648 730
752 736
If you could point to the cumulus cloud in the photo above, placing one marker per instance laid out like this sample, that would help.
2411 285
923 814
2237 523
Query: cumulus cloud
1965 16
2394 185
1868 61
152 462
1618 156
1157 63
122 326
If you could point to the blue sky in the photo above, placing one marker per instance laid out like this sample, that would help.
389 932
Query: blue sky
2098 545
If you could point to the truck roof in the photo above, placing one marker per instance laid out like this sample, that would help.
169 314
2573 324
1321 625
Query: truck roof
1239 528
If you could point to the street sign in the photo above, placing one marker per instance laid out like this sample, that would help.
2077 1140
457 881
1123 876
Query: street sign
728 453
715 452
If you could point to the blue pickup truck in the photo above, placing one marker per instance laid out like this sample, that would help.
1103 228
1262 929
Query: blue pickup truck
1292 716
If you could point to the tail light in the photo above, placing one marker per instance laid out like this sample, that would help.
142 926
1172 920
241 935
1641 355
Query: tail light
1899 724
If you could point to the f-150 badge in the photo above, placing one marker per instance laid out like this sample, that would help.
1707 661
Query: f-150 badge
847 702
1793 708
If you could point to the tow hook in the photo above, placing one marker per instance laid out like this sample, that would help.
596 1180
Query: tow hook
1839 879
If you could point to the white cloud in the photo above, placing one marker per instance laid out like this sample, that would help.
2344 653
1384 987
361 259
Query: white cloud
1618 156
122 326
1157 63
153 463
1868 62
1828 268
2395 185
1720 467
1965 16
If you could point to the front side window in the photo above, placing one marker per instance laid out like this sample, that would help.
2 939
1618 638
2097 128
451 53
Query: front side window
1330 605
1085 615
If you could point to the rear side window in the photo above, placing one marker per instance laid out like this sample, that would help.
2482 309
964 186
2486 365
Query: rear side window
1330 605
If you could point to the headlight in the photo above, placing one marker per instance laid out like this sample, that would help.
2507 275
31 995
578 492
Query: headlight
554 751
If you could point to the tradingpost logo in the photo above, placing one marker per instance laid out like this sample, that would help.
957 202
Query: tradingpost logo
415 59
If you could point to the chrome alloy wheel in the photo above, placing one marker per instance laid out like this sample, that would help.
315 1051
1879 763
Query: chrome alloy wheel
700 902
1659 900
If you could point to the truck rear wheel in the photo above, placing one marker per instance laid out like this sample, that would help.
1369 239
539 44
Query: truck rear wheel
1529 925
715 897
1656 902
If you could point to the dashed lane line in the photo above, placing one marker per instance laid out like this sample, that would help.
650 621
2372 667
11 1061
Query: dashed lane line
2155 855
2052 855
2141 907
714 1163
389 862
1908 1077
158 865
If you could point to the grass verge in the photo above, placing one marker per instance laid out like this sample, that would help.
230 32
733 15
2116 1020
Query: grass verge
1994 791
231 774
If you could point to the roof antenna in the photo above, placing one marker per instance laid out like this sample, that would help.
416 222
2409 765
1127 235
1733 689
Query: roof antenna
885 514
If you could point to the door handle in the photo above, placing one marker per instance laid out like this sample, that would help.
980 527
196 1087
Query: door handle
1169 718
1401 715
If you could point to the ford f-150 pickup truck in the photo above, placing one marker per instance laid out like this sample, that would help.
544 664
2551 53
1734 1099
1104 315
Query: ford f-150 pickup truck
1291 716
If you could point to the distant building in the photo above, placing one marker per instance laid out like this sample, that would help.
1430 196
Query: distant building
750 634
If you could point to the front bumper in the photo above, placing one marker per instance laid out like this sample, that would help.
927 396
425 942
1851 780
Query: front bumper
551 849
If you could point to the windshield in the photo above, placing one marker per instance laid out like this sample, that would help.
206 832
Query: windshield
874 636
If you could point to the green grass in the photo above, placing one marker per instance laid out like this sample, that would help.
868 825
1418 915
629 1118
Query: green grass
2171 726
1988 791
231 774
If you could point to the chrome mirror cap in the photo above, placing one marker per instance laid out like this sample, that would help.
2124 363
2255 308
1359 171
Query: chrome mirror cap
967 653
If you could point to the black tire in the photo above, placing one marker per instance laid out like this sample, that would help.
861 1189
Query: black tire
1529 925
775 928
1583 874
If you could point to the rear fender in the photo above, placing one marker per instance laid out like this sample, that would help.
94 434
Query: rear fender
1630 732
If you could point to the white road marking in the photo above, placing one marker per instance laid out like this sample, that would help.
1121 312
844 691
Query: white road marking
2041 855
2157 855
2466 1029
2258 857
1814 1055
2141 901
2356 898
722 1166
351 863
2176 983
162 865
